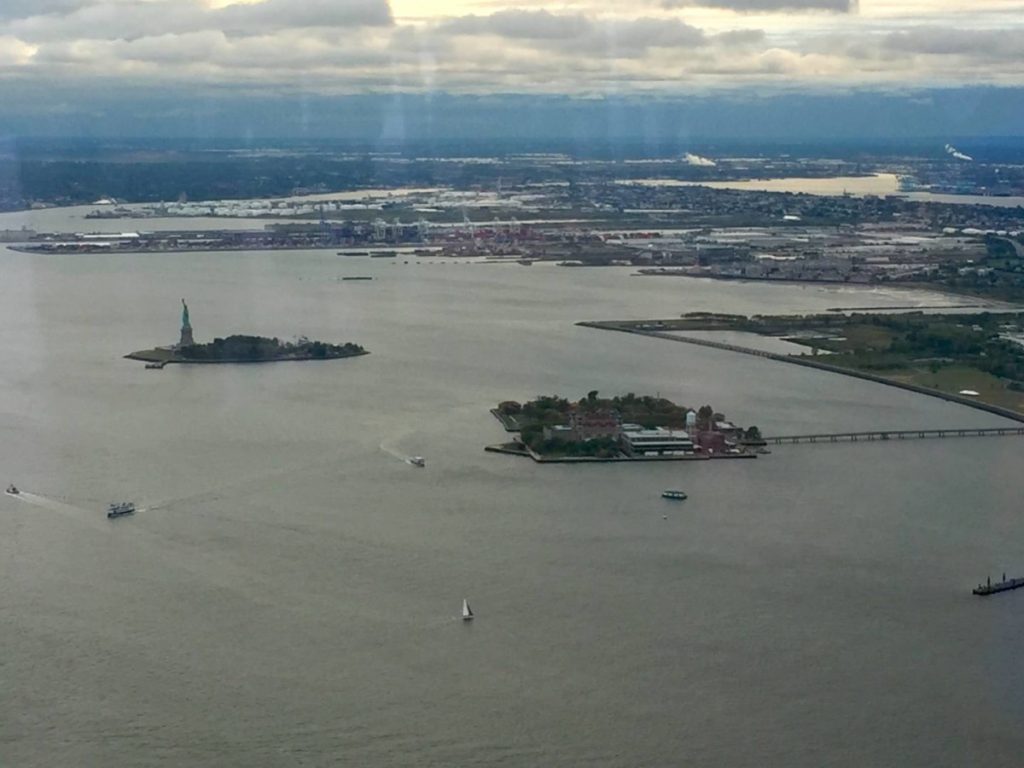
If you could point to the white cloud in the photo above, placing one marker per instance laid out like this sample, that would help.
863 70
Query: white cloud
14 52
698 161
957 154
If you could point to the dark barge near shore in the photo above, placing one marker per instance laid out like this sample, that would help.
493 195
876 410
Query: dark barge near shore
988 588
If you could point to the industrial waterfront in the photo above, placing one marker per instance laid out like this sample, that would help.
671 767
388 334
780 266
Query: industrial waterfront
291 586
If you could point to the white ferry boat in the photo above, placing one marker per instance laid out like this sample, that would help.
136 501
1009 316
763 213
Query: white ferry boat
120 509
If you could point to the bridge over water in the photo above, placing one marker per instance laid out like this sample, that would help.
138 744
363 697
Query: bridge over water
896 434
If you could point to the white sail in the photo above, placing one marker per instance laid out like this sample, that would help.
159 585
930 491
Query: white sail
467 612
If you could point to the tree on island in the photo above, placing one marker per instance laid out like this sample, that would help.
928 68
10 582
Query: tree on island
259 348
547 410
705 417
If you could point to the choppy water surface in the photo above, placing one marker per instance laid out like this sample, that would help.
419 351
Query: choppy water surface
289 594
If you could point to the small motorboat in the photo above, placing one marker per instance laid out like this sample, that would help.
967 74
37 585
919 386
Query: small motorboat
418 461
674 495
13 489
120 509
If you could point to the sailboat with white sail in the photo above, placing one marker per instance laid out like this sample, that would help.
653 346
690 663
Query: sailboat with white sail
467 612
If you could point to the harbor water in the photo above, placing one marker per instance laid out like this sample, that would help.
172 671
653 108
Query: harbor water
289 591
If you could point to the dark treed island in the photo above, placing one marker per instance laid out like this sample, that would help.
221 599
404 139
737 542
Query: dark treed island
260 348
241 348
621 428
248 349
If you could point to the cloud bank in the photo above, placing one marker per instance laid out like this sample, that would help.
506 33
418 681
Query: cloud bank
768 6
585 48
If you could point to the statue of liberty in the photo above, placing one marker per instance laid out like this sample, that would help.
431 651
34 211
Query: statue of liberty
186 327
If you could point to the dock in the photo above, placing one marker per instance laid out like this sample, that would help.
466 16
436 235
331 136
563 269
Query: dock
1006 585
518 449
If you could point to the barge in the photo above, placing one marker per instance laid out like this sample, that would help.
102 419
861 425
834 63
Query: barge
1006 585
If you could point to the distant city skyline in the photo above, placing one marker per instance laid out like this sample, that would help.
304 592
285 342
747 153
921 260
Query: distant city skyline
212 67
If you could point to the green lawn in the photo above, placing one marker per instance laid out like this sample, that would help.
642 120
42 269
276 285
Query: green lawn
955 378
849 338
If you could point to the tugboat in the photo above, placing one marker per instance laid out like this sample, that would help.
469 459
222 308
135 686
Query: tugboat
674 495
418 461
120 509
13 489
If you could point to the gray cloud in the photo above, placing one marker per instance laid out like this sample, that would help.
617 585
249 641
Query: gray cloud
22 9
530 25
947 41
740 37
115 19
579 33
283 14
653 33
768 6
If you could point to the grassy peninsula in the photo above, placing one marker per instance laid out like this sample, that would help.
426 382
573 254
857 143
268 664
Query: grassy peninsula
978 356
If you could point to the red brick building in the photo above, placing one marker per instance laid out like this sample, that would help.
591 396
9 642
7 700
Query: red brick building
587 425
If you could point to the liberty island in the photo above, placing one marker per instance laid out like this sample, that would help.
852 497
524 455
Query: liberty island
241 349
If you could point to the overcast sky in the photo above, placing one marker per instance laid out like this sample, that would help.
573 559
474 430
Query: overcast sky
578 46
63 50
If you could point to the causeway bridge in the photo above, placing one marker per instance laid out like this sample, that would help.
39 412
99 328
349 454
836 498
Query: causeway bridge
896 434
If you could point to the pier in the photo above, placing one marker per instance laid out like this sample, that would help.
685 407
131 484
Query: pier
1006 585
896 434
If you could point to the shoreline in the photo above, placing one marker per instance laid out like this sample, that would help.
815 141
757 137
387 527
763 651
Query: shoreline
142 251
982 302
518 449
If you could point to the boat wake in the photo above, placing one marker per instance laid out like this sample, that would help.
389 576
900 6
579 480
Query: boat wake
45 502
194 498
416 461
